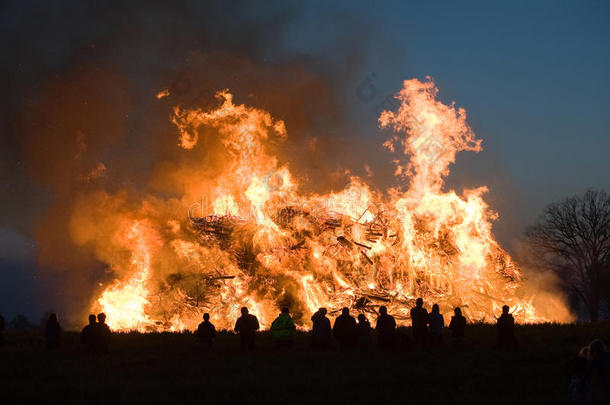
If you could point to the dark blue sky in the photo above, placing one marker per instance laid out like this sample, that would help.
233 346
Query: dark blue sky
533 77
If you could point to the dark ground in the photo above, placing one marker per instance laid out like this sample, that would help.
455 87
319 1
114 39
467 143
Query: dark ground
169 368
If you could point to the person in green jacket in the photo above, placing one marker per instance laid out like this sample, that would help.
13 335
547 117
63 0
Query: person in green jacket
283 330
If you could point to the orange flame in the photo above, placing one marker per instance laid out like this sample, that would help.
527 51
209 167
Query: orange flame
125 302
264 245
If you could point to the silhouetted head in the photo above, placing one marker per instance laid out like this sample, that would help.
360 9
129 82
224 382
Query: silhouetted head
244 310
206 317
505 309
383 310
323 311
101 317
361 318
53 318
435 309
91 319
419 302
457 311
345 311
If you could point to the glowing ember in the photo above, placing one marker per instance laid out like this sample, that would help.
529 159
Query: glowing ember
263 245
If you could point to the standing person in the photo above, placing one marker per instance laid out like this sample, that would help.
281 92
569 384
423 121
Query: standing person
364 332
386 328
52 332
506 328
321 330
437 323
283 330
419 319
600 365
345 329
457 326
102 334
206 332
1 330
246 326
87 335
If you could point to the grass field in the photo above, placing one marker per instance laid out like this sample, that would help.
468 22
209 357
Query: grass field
169 368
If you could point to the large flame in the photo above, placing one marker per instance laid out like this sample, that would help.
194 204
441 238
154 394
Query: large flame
255 241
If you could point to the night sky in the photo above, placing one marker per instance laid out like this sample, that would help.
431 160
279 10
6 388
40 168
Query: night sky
532 76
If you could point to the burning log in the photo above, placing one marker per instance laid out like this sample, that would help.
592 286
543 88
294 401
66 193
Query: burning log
363 245
298 245
344 242
379 298
367 257
213 278
333 223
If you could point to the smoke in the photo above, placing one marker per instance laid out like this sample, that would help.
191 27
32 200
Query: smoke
548 292
82 122
87 141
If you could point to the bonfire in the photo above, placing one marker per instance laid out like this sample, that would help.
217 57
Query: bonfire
255 240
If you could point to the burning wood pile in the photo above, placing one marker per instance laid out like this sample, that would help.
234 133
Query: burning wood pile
343 247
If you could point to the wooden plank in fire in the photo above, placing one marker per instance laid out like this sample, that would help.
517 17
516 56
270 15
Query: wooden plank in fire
343 241
332 223
363 245
378 298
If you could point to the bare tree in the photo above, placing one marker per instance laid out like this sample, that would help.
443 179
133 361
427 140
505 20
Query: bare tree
572 237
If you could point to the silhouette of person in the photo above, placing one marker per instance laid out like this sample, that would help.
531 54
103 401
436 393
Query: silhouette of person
206 332
52 332
345 329
419 320
457 326
600 365
1 330
101 334
283 330
506 328
437 323
364 331
321 330
246 326
386 328
87 335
